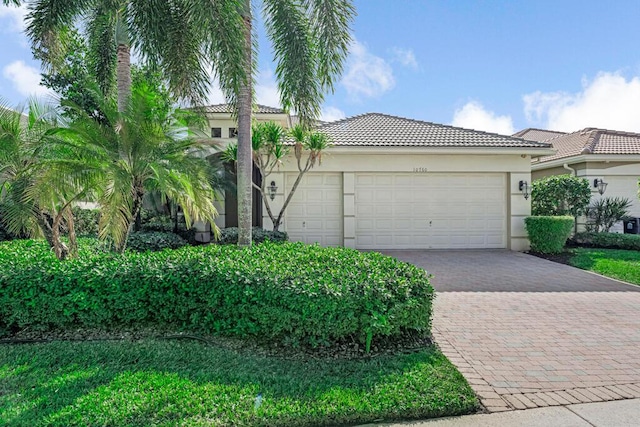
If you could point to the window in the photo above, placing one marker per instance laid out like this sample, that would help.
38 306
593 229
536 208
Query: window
233 132
216 132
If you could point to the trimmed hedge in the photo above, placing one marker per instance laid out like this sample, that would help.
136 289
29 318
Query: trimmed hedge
607 240
229 236
288 293
154 241
548 234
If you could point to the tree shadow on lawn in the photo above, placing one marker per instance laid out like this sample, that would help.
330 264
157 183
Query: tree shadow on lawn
188 383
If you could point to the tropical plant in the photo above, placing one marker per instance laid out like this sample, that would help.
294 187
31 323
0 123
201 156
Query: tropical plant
269 149
310 41
604 213
164 33
141 149
36 198
560 195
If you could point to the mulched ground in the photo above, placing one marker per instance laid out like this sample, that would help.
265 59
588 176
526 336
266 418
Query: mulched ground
562 257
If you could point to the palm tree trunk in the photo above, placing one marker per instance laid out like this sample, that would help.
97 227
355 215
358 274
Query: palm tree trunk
245 158
123 73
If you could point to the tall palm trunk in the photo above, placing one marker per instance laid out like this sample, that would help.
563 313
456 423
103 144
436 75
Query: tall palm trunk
123 74
245 157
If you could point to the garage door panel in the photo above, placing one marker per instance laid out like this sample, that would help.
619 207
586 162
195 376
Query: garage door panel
461 210
315 212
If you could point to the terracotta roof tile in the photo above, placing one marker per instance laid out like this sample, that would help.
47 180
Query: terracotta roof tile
541 135
375 129
225 108
594 141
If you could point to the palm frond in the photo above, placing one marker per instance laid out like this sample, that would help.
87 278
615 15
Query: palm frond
289 30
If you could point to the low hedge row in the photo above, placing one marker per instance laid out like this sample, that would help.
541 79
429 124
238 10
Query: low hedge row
288 293
229 236
141 241
607 240
548 234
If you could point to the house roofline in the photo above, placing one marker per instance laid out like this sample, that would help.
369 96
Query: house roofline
585 158
533 152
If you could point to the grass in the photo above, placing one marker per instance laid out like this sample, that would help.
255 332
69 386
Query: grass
615 263
178 383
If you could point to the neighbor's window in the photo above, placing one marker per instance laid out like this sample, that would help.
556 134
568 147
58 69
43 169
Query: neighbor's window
233 132
216 132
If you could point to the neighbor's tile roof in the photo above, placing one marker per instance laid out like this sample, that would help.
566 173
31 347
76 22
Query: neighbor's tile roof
259 109
594 141
375 129
541 135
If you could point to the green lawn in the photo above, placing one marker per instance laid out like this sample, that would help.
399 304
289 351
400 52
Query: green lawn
615 263
171 383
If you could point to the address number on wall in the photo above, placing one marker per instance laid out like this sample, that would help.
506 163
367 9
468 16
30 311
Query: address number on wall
420 170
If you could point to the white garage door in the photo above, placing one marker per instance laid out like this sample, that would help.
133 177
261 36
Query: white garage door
431 211
315 212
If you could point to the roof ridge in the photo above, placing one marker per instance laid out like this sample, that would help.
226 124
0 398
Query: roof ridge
425 122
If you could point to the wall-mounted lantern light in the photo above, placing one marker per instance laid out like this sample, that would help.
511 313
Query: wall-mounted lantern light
600 185
272 190
523 186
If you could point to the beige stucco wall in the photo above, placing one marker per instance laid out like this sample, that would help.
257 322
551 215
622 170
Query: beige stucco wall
515 166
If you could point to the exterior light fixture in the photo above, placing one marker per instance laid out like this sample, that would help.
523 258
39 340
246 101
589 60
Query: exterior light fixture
272 190
600 185
523 186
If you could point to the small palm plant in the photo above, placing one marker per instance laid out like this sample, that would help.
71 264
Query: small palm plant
133 152
36 198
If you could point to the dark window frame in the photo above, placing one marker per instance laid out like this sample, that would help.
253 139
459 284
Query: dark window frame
216 132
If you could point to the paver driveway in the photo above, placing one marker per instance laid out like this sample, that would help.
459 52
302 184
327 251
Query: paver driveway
528 332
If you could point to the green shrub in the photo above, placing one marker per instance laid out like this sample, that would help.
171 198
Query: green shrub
229 236
560 195
154 241
604 213
86 221
607 240
548 234
287 293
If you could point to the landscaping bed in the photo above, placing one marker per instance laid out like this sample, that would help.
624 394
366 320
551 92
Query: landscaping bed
287 294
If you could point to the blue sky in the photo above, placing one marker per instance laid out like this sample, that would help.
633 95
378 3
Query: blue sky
491 65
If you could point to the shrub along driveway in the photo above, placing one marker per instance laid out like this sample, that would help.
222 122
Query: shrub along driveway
527 332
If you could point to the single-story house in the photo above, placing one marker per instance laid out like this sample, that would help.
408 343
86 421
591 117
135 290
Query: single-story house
599 155
395 183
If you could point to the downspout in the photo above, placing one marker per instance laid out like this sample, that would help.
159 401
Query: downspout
575 220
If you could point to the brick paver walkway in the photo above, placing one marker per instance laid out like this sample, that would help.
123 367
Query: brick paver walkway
528 333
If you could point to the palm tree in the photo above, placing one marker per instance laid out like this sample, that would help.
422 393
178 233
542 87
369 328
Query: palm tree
168 34
310 40
35 198
129 153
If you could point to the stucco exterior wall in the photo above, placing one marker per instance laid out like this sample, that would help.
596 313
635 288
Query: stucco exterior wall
517 167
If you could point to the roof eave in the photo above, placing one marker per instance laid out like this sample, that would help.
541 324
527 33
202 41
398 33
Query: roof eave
383 149
585 158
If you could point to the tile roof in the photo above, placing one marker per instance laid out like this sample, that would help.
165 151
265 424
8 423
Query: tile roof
541 135
594 141
225 108
375 129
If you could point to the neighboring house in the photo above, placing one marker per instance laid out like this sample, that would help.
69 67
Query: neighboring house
394 183
608 155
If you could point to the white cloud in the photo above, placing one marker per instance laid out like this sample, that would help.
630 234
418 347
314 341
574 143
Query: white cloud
474 116
25 79
266 89
608 101
367 75
15 16
405 57
331 114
